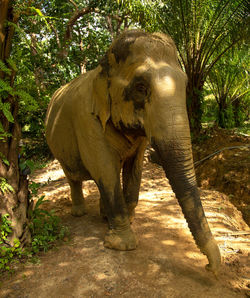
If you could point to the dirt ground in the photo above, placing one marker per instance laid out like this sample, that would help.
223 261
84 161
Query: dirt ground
166 263
229 170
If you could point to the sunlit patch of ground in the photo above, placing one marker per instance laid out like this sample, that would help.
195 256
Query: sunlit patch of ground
166 263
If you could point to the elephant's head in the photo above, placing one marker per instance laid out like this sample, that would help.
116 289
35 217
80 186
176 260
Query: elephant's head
142 89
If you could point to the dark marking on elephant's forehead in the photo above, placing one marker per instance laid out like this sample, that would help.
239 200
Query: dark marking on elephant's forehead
121 47
138 91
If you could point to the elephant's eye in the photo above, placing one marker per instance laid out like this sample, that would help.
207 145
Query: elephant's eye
141 88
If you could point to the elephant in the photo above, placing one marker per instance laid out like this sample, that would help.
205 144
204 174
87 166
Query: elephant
99 125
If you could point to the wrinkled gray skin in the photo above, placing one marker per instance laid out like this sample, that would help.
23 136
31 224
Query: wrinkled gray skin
98 125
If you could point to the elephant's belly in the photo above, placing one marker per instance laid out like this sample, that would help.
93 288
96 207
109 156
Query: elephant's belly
76 170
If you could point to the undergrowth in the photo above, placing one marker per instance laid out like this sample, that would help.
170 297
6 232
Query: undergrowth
45 228
8 254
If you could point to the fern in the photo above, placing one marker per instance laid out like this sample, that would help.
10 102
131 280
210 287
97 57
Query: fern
1 128
27 100
12 64
3 134
41 16
4 159
5 108
4 68
4 86
5 187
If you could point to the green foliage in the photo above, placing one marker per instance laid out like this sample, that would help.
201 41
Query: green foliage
45 227
32 165
38 46
25 99
5 108
226 117
34 187
5 186
4 159
209 108
245 129
229 83
203 32
4 68
8 254
11 64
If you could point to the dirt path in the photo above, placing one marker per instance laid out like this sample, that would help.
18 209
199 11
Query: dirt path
165 264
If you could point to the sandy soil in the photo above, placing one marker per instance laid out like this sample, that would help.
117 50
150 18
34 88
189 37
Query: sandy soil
229 170
166 263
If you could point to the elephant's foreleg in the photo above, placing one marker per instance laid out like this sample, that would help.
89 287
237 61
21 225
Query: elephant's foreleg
103 164
131 175
131 185
120 235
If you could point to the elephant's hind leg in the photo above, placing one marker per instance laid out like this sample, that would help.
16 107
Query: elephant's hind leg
75 178
102 209
78 204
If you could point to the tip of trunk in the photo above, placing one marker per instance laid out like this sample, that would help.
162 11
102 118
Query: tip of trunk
211 250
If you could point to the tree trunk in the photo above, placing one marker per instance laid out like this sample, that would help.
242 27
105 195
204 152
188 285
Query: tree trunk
237 112
221 116
194 100
38 71
15 201
222 112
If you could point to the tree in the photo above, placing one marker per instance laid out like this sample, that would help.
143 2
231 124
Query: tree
229 84
59 41
203 32
14 185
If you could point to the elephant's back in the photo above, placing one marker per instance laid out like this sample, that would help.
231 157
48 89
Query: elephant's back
61 97
68 100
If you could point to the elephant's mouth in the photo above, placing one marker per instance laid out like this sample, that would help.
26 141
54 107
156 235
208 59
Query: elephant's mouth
133 130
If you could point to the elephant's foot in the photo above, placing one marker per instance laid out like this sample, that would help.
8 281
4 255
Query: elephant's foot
78 210
120 240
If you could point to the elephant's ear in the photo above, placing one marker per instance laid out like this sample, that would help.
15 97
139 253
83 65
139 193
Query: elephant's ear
101 99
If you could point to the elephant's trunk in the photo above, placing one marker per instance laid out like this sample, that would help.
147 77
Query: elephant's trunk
175 153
